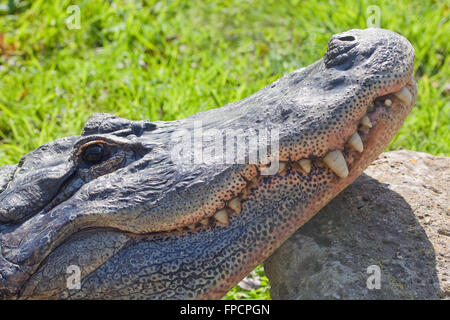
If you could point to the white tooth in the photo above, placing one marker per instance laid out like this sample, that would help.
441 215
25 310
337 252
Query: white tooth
404 95
204 221
244 193
222 216
365 121
281 166
355 142
191 226
388 102
336 162
235 205
254 182
305 164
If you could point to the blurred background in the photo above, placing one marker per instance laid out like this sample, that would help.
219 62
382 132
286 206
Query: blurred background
61 61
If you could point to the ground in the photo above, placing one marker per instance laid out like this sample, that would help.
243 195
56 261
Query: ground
170 59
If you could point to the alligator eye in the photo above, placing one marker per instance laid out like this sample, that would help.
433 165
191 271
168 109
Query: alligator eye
93 153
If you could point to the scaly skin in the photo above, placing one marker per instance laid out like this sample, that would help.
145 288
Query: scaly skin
139 225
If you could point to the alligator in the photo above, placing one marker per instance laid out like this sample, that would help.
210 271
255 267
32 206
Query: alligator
131 209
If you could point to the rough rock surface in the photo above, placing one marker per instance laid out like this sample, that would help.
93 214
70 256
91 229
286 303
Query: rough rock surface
395 216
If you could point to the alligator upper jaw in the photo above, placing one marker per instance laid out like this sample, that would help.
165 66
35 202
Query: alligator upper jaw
344 162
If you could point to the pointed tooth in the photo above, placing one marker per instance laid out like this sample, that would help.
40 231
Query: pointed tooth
204 221
388 102
365 121
281 166
336 162
221 216
235 205
355 142
191 226
404 95
305 164
244 193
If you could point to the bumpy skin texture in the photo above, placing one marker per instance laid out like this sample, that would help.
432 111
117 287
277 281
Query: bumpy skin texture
125 220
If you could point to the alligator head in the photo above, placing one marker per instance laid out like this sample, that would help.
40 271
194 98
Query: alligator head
116 206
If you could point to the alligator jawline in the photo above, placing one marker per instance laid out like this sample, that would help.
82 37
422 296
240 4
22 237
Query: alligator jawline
350 150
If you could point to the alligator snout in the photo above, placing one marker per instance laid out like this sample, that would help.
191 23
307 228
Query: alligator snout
382 56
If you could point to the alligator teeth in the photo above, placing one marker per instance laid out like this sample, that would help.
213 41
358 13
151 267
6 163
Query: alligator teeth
244 193
235 205
253 182
365 121
404 95
281 166
336 162
355 142
305 164
204 221
222 217
191 226
388 102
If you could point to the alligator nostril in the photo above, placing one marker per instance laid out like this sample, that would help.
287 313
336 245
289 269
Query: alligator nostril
347 38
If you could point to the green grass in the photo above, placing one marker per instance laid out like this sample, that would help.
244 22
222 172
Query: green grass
170 59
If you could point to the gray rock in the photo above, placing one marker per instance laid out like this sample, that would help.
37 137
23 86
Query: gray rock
395 217
250 282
